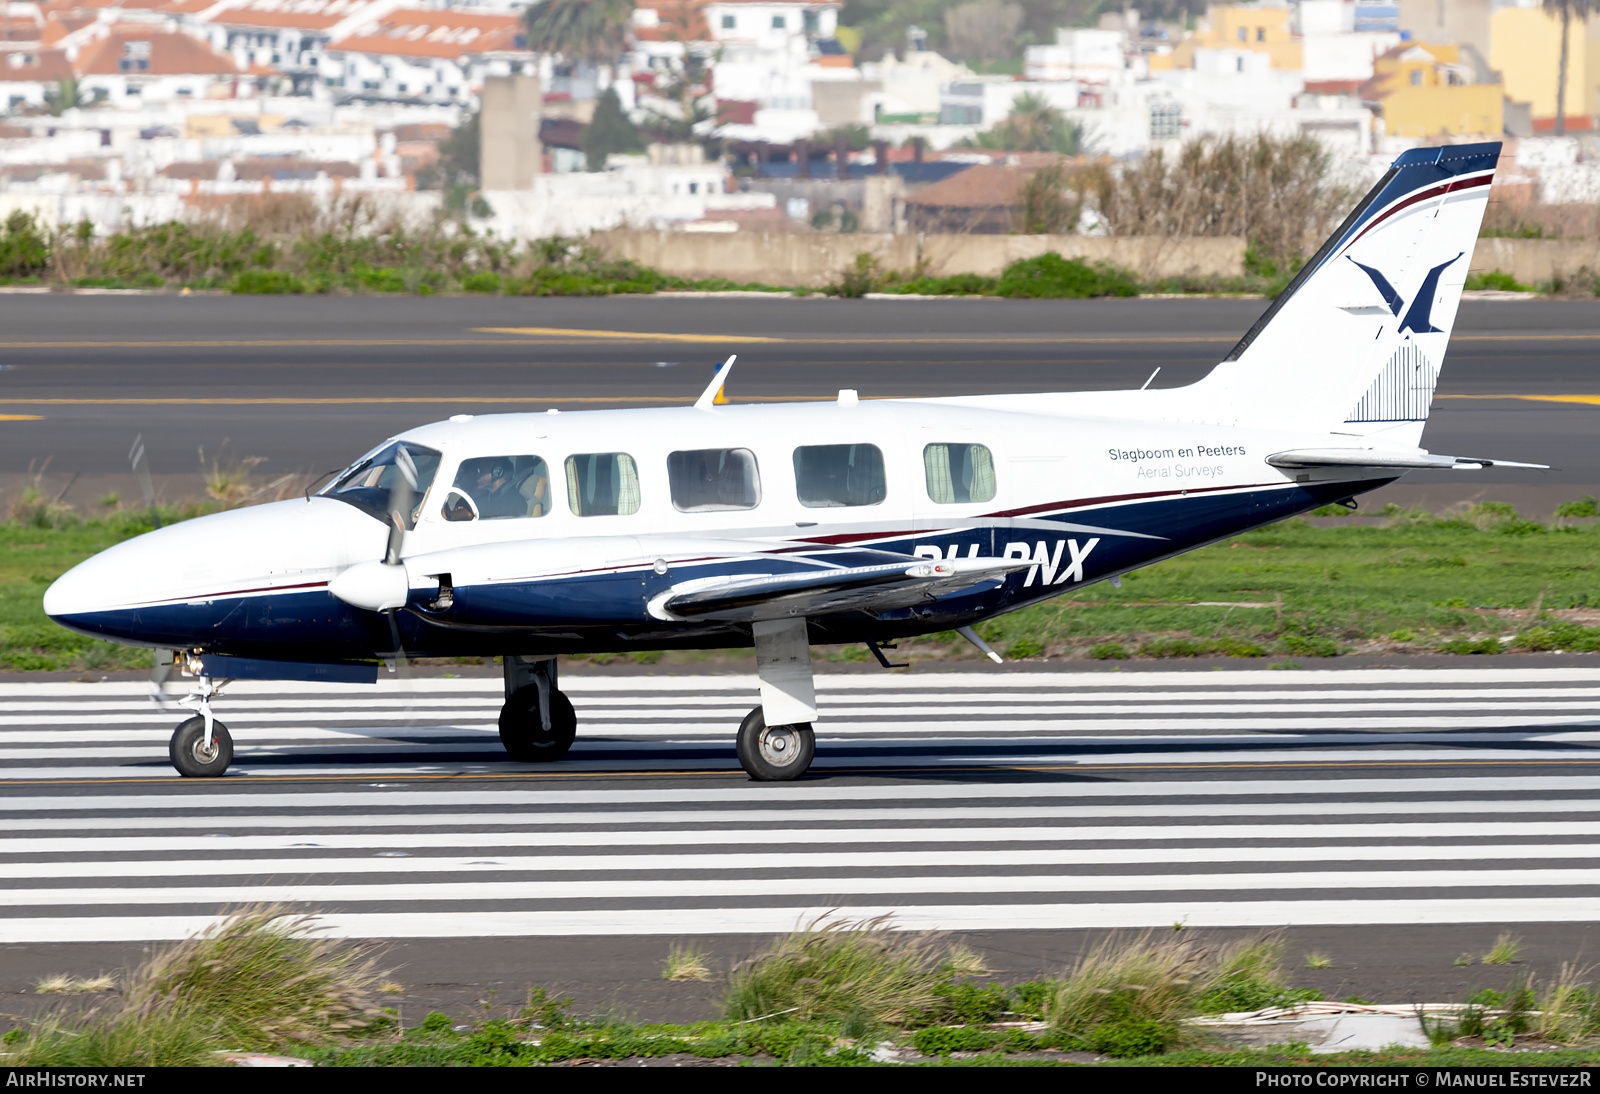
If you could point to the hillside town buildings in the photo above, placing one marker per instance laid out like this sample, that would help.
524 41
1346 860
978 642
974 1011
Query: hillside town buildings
135 103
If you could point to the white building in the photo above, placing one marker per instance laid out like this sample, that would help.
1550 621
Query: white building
1333 50
427 56
286 36
1095 56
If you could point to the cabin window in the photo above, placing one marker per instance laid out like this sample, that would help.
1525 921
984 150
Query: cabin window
706 480
830 475
958 473
375 479
499 488
602 484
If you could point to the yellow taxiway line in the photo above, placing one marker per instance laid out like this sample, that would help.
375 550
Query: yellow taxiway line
549 335
834 772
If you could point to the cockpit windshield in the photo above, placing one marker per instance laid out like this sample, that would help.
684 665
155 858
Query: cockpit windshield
393 477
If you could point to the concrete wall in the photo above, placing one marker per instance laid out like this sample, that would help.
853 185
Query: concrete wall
1532 261
815 259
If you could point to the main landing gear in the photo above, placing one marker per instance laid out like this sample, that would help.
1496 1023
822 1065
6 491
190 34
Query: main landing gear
781 750
775 742
537 723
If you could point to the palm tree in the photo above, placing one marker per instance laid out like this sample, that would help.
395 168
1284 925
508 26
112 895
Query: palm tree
1568 9
594 31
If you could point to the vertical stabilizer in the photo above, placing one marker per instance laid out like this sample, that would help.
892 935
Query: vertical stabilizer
1355 343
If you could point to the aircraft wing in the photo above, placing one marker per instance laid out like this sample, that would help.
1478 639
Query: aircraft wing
1400 460
744 597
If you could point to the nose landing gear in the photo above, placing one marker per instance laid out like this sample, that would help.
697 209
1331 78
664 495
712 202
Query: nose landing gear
201 746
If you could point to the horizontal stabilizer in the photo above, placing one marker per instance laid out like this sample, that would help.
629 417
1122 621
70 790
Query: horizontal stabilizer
1400 460
813 592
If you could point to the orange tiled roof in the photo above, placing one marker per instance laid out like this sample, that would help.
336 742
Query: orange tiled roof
68 7
447 34
57 27
170 54
978 186
305 14
47 64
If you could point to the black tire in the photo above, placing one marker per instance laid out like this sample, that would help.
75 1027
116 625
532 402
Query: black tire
188 752
777 754
523 733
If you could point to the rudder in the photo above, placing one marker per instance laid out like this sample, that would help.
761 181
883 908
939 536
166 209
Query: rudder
1354 344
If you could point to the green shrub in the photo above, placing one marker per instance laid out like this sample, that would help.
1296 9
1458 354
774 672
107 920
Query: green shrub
943 1040
1472 645
832 967
1109 651
486 281
264 979
24 249
1051 276
1025 647
1124 1037
1310 645
266 282
1495 279
858 279
966 1001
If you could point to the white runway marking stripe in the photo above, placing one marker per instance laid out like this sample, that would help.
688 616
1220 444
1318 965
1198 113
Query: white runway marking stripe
764 834
630 889
484 862
406 796
766 921
236 823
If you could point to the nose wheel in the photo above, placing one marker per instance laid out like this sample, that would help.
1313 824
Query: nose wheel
201 746
774 753
197 757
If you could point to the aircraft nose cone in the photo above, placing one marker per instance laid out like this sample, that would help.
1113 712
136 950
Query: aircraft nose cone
210 562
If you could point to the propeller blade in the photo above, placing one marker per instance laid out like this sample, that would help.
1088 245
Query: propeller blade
160 672
400 495
141 470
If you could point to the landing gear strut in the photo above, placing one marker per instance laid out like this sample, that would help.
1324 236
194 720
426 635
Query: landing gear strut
783 750
537 723
201 746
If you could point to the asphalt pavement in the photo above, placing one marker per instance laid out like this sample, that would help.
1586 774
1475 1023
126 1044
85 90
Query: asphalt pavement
1390 818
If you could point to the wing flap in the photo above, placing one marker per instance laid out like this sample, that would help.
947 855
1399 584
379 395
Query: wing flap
811 592
1373 457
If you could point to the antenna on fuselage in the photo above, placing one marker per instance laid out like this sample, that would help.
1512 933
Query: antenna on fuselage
712 395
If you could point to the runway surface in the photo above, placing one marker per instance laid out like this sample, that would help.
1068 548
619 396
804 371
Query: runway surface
308 383
965 801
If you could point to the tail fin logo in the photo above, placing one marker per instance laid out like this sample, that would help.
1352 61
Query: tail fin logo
1419 317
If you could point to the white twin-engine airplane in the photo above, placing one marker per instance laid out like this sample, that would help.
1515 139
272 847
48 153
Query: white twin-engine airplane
534 535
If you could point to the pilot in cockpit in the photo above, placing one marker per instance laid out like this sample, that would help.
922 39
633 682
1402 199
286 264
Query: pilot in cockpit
499 487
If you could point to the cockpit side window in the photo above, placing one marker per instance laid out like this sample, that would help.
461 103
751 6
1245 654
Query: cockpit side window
499 488
381 479
829 475
958 473
602 484
710 479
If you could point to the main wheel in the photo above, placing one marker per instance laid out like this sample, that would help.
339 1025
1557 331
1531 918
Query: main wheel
774 753
190 755
523 733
